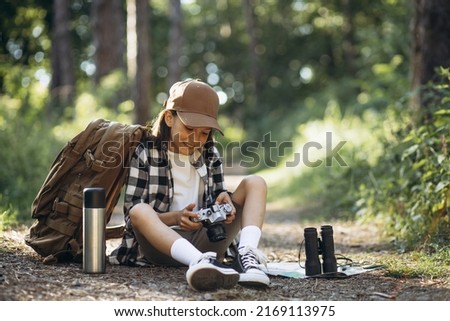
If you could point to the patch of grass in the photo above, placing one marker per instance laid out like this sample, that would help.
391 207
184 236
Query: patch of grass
419 264
429 263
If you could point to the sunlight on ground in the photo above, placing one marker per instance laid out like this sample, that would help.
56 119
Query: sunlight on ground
335 143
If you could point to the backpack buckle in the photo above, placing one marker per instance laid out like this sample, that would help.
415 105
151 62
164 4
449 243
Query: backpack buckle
91 162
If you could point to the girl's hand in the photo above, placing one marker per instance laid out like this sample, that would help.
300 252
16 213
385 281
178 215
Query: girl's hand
187 217
224 198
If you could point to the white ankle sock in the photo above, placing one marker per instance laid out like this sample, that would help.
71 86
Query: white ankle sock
184 252
250 235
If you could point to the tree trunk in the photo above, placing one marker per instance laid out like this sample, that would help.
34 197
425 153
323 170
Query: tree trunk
175 42
348 45
431 47
141 87
108 26
255 70
63 79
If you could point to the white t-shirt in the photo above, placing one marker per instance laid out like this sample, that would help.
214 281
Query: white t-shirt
186 182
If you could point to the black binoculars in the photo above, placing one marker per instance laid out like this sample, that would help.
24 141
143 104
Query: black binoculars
315 246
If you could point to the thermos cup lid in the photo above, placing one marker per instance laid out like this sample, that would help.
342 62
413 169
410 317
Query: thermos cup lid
94 197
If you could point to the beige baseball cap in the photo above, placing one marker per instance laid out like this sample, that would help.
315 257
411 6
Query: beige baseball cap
196 103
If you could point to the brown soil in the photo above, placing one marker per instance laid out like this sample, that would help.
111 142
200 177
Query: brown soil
23 276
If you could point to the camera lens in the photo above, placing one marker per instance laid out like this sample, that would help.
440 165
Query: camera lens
216 232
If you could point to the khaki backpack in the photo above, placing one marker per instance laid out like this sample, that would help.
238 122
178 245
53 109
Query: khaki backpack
97 157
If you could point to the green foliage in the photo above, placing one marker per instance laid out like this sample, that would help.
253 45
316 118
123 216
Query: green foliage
410 185
28 150
31 141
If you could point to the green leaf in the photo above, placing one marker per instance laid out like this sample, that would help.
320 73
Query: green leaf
420 164
440 186
409 151
440 158
443 112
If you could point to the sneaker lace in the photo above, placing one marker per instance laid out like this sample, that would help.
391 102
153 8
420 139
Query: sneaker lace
208 256
252 257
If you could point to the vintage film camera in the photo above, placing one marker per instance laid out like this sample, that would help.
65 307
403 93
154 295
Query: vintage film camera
315 246
212 218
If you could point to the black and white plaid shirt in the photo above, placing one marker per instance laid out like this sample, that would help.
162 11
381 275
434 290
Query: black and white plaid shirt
150 181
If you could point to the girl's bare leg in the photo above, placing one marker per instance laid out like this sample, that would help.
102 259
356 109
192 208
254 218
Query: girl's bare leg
251 194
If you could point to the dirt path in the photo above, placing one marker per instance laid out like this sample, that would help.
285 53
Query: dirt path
24 277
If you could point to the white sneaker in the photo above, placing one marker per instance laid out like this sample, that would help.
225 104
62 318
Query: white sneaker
208 274
248 264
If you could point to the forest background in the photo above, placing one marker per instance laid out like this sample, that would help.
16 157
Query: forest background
342 105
